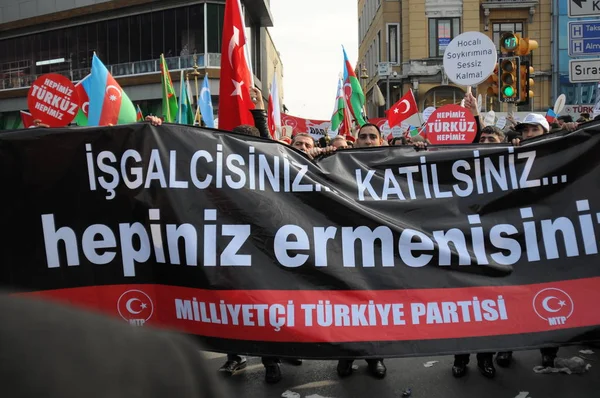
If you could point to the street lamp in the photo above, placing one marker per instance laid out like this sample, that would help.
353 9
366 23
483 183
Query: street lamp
364 75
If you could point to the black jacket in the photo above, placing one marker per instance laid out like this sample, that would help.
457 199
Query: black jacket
260 122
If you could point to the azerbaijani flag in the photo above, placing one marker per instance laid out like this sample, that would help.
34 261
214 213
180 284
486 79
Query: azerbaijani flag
109 105
338 111
139 116
353 92
169 99
551 116
82 88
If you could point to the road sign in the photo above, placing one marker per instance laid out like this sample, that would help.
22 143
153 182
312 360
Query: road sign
470 58
384 69
584 8
584 70
584 38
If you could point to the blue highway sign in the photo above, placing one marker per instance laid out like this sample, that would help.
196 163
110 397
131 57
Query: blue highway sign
584 38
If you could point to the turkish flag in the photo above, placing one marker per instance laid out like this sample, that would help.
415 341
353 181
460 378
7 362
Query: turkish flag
27 119
236 79
402 110
271 118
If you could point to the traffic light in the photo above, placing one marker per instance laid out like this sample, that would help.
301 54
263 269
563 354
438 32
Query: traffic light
526 83
509 77
492 90
509 43
525 46
514 44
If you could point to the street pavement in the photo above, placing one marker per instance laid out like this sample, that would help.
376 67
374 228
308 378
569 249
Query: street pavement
319 378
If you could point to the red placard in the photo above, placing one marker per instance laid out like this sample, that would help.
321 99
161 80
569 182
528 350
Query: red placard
53 100
296 125
451 124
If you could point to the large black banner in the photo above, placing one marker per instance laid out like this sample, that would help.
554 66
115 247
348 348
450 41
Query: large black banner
254 248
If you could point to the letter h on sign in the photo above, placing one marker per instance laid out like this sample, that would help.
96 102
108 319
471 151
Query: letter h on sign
578 46
576 32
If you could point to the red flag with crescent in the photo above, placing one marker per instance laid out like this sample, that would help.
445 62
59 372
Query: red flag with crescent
403 109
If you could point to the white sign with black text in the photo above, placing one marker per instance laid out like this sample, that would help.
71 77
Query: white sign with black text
470 59
584 8
584 70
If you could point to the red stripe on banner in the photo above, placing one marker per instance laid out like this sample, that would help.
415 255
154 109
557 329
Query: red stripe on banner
344 315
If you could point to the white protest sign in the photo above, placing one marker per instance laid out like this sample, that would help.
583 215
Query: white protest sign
559 105
396 131
490 118
501 123
470 58
427 112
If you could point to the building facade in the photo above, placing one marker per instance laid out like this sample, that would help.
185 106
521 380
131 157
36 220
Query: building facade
413 34
60 36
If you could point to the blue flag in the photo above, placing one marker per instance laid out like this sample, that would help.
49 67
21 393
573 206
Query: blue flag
205 104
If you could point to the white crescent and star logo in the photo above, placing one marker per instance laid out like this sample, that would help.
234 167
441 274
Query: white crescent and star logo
85 107
233 43
546 306
238 88
552 303
205 90
407 107
348 90
130 302
135 305
113 97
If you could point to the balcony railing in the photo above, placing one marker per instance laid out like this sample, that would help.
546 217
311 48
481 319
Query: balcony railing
121 70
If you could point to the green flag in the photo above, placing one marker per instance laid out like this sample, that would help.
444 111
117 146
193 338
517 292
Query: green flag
186 114
169 100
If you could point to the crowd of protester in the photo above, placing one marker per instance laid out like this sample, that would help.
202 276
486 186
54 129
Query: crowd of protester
369 135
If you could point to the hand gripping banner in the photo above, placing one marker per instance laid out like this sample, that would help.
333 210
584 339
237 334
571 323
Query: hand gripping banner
255 249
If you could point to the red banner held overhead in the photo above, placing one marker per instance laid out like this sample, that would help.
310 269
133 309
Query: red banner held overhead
451 124
53 100
292 125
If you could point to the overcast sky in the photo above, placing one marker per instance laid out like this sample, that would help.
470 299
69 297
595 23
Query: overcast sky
309 35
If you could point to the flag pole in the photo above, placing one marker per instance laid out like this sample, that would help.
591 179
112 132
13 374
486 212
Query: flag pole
181 83
418 112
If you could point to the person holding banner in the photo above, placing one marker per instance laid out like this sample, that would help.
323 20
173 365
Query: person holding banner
369 136
258 113
485 363
305 143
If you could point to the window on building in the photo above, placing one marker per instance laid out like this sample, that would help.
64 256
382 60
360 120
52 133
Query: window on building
378 47
196 24
441 33
359 29
443 95
112 32
170 34
157 35
135 39
146 34
499 28
124 42
215 16
393 42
